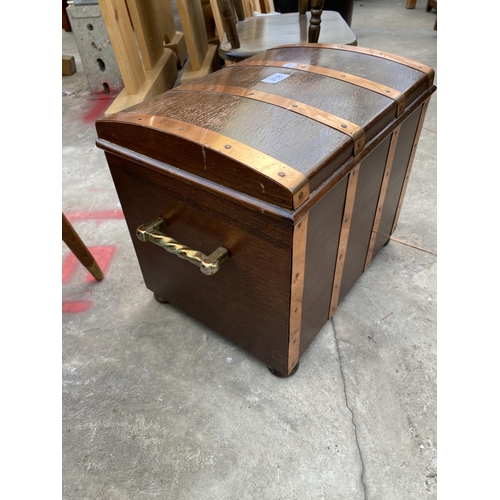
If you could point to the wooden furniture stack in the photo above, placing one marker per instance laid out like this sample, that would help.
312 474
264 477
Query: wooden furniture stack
203 57
138 30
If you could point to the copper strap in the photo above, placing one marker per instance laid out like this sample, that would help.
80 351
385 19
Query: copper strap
290 178
337 75
346 127
297 290
344 237
382 194
370 52
410 163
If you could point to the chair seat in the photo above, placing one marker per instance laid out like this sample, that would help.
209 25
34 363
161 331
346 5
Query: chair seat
261 33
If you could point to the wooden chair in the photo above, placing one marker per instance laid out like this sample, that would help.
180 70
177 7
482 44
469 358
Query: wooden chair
432 4
78 247
247 36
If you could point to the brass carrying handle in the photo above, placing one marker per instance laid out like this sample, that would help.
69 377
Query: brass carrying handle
152 231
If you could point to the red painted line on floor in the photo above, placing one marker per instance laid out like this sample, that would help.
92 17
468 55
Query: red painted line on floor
103 256
78 306
99 106
70 265
95 215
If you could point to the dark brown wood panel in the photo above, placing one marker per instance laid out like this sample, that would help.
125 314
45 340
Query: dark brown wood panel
325 220
365 205
401 159
247 301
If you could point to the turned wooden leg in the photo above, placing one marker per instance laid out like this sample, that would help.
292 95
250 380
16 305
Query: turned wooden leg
410 4
78 247
280 375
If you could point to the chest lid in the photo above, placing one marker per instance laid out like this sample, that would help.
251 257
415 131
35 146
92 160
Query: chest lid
277 125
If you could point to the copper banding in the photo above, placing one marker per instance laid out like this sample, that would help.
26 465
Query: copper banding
382 194
288 177
297 290
370 52
354 131
344 237
364 83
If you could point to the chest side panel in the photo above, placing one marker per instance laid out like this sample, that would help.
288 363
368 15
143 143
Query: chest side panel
365 204
247 301
324 224
395 188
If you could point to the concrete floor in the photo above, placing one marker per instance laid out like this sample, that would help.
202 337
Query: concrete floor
155 405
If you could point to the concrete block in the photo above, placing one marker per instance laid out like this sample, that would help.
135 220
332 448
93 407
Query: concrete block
96 52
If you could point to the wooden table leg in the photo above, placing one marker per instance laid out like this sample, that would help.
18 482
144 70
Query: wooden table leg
78 247
410 4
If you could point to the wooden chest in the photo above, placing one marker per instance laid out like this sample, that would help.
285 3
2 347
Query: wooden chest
279 178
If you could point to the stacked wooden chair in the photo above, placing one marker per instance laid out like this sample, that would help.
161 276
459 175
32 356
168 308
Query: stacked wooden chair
247 36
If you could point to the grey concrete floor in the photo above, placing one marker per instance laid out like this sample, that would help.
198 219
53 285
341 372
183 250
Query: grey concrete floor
155 405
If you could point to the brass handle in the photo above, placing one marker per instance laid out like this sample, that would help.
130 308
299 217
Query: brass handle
208 265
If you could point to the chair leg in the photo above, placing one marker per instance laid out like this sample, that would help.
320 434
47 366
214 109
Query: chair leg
78 247
410 4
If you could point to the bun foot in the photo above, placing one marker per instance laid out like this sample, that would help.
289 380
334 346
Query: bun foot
160 299
281 375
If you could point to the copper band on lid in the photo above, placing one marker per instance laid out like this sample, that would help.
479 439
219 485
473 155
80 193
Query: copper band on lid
346 127
370 52
288 177
338 75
